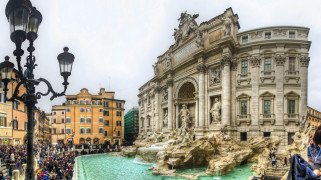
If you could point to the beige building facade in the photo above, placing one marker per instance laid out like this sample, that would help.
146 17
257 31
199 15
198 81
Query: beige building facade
253 83
58 117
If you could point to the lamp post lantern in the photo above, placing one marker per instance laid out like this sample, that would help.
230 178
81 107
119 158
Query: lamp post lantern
24 23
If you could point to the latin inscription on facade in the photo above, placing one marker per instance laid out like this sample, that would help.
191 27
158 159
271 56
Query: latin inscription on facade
184 52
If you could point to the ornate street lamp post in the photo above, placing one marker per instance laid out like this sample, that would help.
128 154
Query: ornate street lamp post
24 22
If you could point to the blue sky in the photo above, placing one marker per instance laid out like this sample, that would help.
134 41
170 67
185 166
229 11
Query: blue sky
115 42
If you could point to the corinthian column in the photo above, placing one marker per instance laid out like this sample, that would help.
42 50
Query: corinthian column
156 112
304 63
226 89
279 76
170 103
201 68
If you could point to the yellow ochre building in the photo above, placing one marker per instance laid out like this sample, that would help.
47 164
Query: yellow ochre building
94 119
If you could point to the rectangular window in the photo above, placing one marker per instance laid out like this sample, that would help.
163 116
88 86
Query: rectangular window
87 101
101 120
243 107
68 131
118 133
100 110
267 134
68 102
268 35
88 109
118 123
291 106
118 113
291 64
101 130
243 136
88 131
67 120
93 102
118 105
62 120
3 122
290 140
54 131
267 64
106 123
82 109
106 104
106 133
82 130
67 109
26 126
244 67
81 102
106 113
292 35
54 121
99 102
245 39
16 105
62 131
74 102
267 106
88 120
2 97
82 120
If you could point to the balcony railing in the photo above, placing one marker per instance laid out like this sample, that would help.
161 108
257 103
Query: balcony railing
243 118
267 118
292 73
245 75
291 117
267 73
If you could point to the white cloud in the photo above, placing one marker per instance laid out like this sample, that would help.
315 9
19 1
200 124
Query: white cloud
120 40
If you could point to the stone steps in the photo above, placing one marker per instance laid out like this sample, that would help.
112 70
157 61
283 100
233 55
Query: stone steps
276 172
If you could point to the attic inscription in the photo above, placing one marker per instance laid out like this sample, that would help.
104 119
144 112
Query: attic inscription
184 52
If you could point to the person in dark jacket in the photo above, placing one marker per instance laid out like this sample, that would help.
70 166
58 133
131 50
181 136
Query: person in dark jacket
2 177
317 142
312 151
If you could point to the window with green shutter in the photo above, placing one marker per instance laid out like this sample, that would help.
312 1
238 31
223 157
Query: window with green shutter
267 64
291 107
244 67
243 107
267 106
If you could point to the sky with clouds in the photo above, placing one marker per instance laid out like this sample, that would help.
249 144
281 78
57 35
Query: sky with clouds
116 42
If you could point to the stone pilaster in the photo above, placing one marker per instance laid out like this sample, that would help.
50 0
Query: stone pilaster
146 119
170 103
201 68
177 115
279 79
226 89
304 64
233 90
255 74
158 120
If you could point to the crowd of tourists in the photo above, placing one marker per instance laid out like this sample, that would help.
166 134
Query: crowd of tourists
53 161
51 164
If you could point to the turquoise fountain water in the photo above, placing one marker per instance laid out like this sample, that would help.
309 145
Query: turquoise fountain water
105 167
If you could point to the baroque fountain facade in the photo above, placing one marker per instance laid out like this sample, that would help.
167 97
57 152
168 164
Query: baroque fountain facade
251 83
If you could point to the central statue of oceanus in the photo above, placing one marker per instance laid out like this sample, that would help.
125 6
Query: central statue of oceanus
184 116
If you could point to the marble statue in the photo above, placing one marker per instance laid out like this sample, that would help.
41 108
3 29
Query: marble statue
187 25
227 26
215 111
165 121
184 116
155 69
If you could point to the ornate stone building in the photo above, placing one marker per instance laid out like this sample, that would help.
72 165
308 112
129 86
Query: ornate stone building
253 83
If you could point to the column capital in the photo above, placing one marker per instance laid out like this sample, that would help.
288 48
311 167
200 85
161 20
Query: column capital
226 60
169 82
157 89
255 61
234 64
304 61
280 60
201 67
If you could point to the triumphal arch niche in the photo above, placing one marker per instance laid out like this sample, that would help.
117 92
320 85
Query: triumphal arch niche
251 83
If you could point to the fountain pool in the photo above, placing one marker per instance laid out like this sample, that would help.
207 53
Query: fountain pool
101 167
